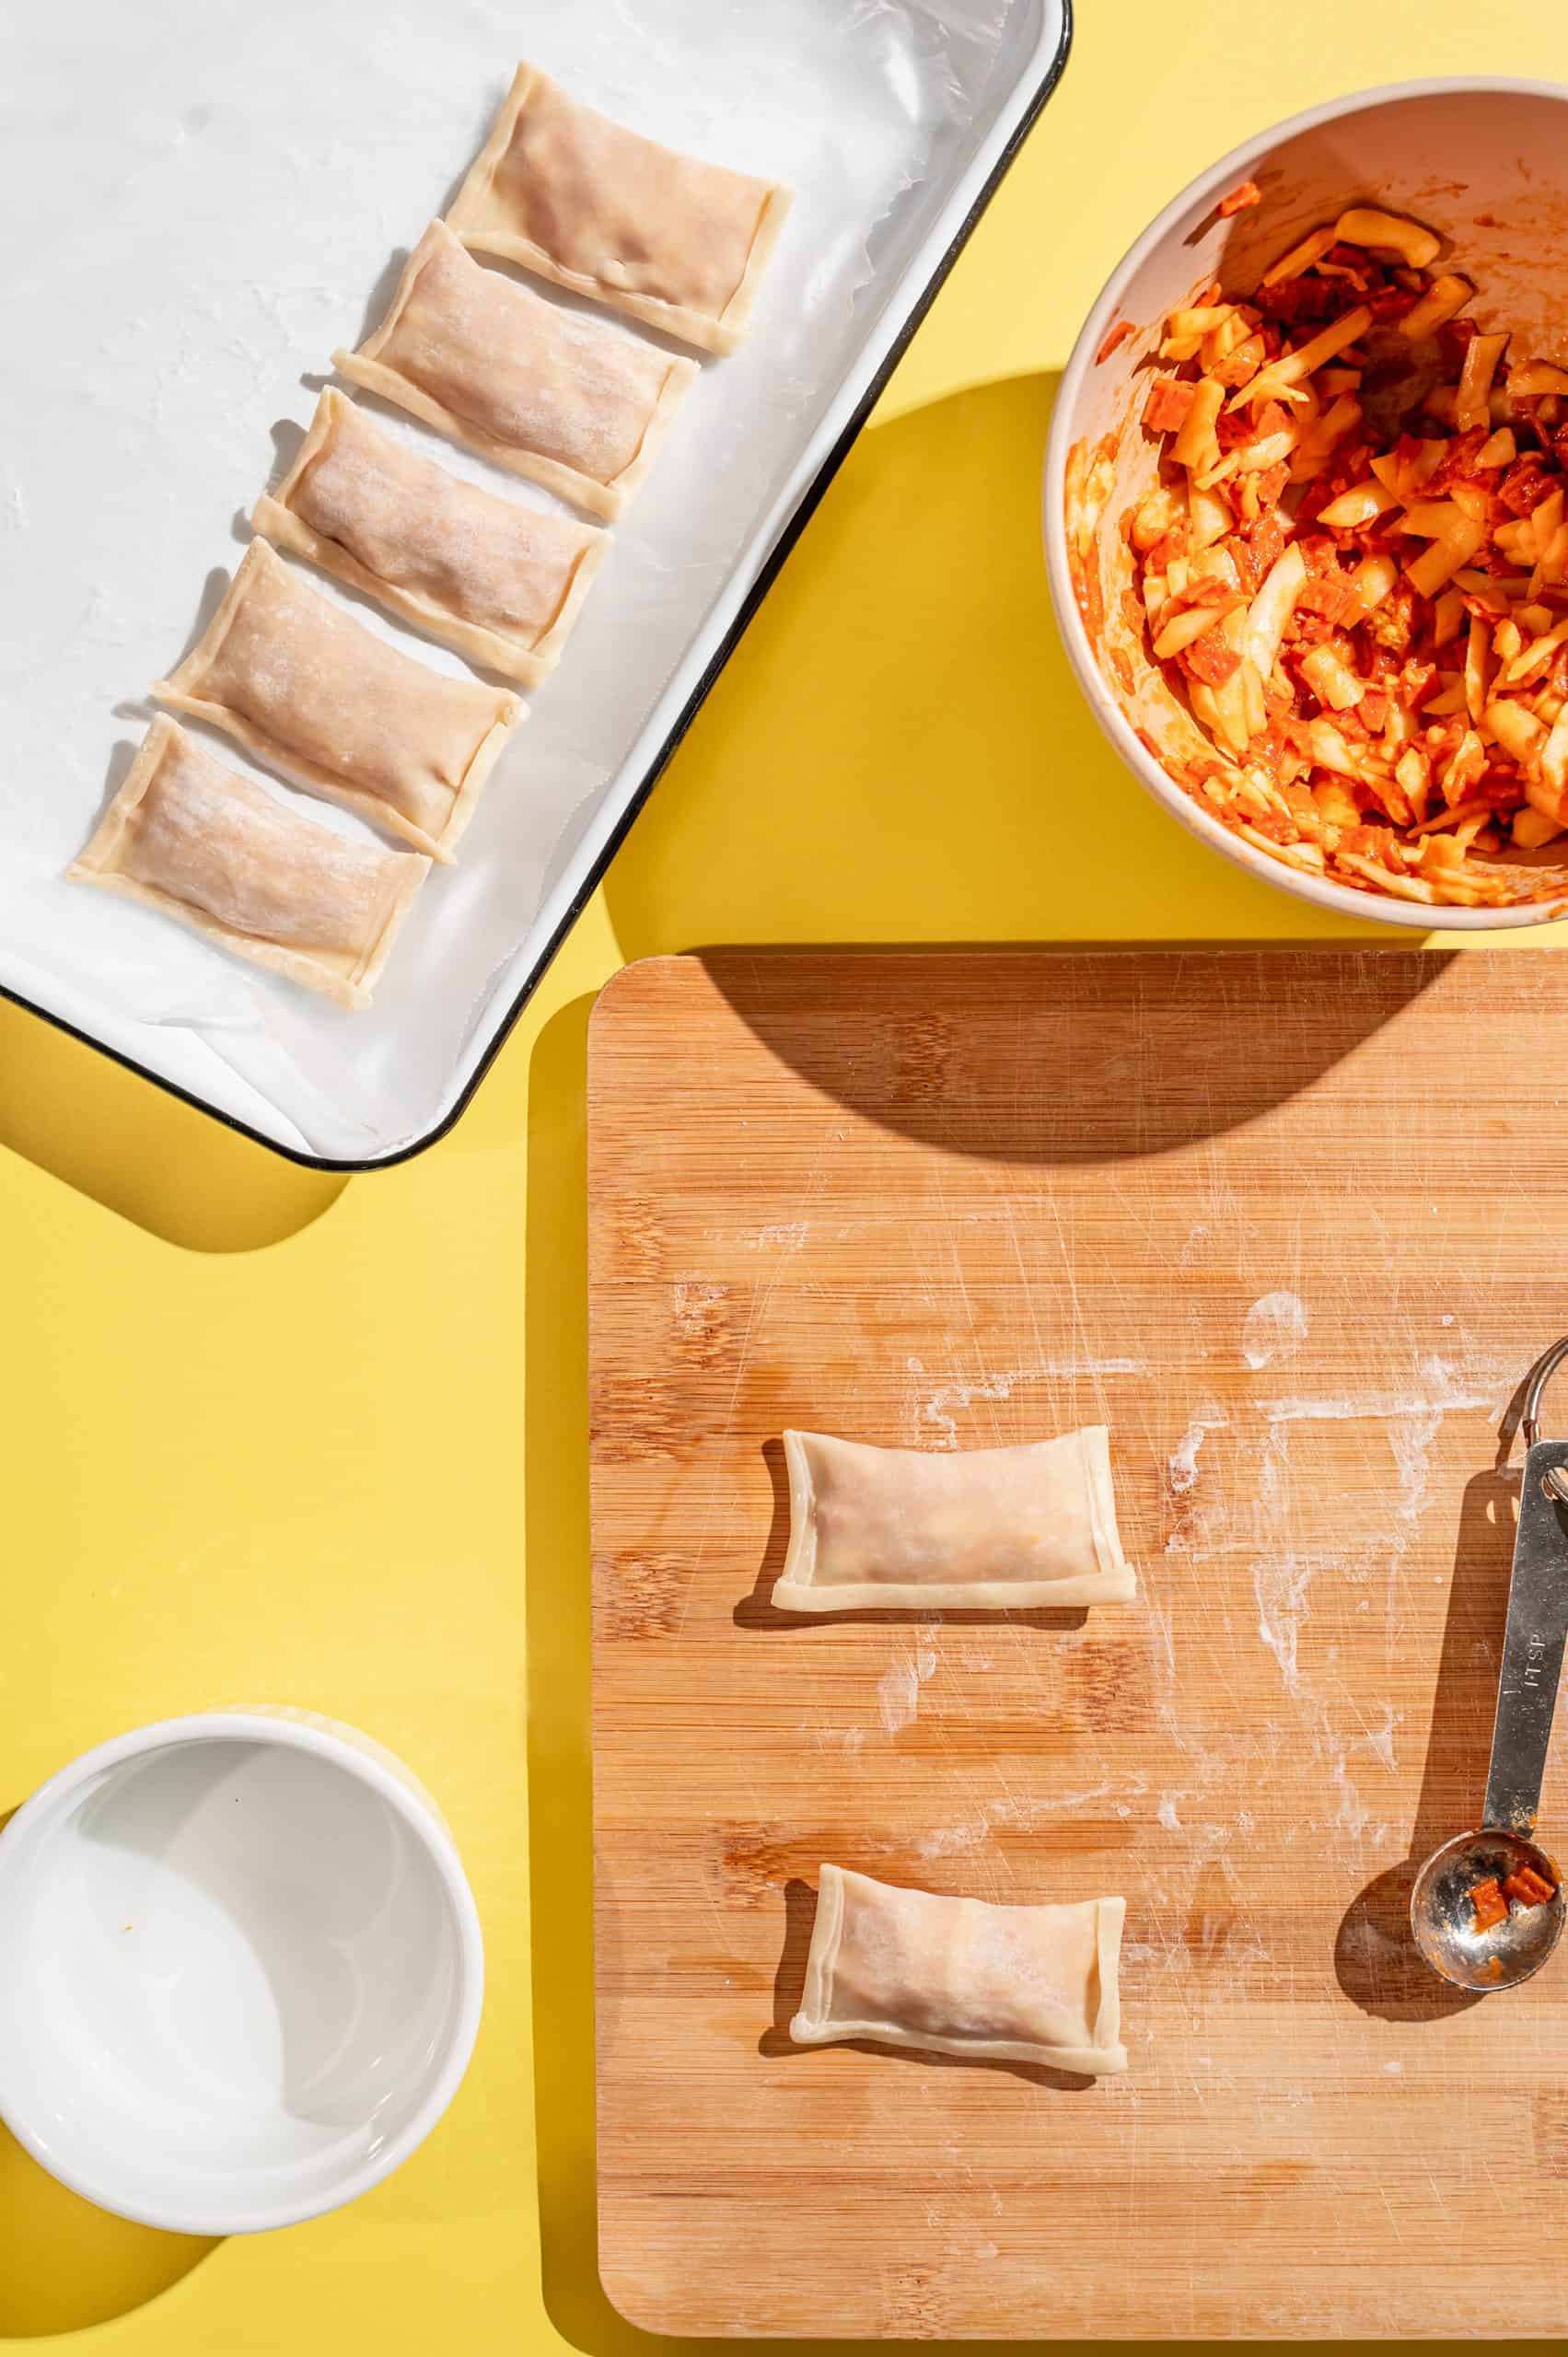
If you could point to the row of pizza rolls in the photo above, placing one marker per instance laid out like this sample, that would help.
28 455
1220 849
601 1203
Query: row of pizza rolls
977 1530
558 397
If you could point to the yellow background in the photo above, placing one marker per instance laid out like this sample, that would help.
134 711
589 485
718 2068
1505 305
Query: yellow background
265 1433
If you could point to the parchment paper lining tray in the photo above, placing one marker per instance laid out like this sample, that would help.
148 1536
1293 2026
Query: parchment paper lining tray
236 206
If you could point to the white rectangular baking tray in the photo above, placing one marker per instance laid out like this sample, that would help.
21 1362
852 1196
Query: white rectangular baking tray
206 198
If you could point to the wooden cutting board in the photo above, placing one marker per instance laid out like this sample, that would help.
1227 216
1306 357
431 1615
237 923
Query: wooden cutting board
1292 1223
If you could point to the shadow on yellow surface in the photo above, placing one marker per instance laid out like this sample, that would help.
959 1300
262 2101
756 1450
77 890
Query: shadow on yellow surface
560 1784
900 751
112 1135
65 2265
560 1788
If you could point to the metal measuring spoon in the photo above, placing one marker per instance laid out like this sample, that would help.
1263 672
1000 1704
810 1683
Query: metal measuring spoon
1442 1910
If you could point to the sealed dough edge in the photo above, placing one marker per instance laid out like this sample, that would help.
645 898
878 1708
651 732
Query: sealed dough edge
720 331
843 1894
606 501
1067 1478
348 976
526 662
182 691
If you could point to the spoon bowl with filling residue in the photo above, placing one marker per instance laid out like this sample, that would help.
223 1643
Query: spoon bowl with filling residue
1453 1934
1487 1908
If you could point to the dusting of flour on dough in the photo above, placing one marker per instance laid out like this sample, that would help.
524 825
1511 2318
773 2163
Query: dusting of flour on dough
1274 1328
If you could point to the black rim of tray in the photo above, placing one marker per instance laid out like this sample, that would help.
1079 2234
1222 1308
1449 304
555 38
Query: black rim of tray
594 877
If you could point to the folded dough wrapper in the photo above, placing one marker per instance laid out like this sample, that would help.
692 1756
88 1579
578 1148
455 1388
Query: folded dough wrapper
502 583
198 843
304 686
961 1976
583 202
567 400
992 1529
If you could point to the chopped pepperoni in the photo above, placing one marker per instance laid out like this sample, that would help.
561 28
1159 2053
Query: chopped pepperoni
1488 1903
1457 462
1233 427
1352 267
1526 484
1248 193
1170 544
1333 597
1453 340
1529 1888
1529 419
1165 410
1266 542
1298 300
1316 496
1211 659
1392 303
1210 591
1319 552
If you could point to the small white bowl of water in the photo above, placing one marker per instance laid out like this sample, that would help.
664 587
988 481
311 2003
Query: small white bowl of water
241 1971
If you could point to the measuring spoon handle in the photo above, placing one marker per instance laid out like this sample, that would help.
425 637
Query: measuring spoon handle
1532 1644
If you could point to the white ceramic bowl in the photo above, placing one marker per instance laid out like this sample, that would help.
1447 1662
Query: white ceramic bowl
241 1971
1446 151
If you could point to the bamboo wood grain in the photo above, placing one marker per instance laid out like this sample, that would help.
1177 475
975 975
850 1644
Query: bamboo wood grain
957 1200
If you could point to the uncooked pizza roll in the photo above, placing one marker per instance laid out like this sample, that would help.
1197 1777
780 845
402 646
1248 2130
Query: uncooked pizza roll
593 207
304 685
992 1528
502 583
999 1984
569 401
198 841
